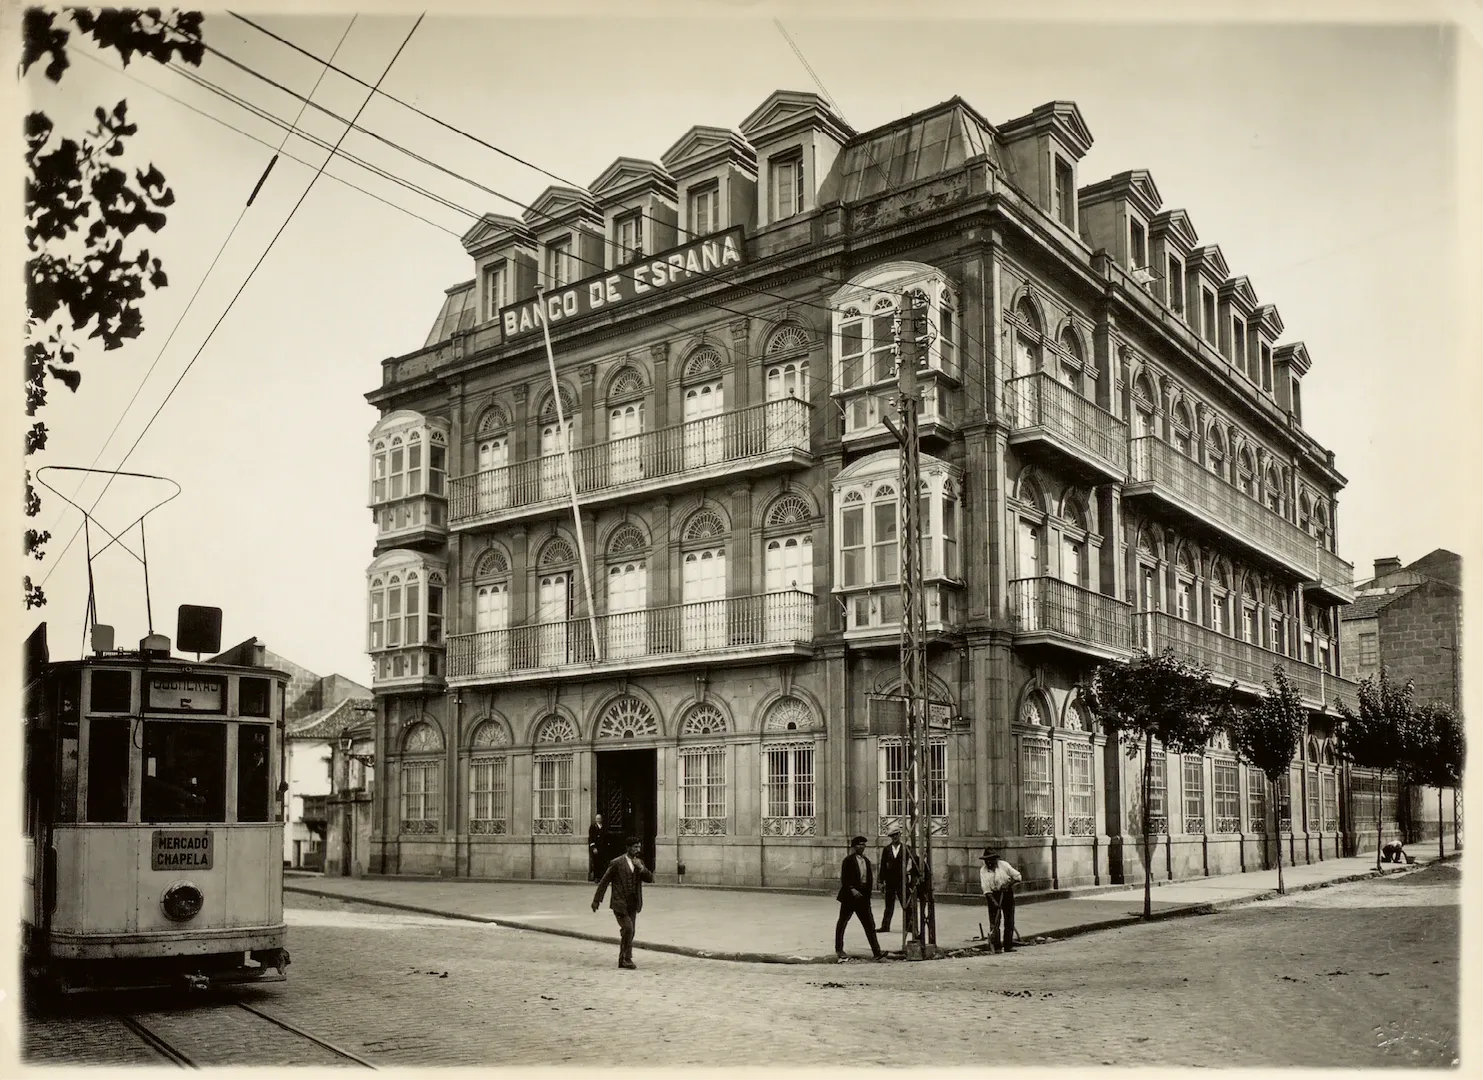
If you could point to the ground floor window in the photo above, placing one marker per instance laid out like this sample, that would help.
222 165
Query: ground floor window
1315 811
1256 800
893 778
1194 795
1158 795
488 788
788 789
420 796
553 794
1081 811
1226 792
1037 806
1284 803
1330 802
703 790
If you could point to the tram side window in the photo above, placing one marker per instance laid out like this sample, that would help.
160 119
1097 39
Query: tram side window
108 769
185 771
67 774
253 696
252 772
110 691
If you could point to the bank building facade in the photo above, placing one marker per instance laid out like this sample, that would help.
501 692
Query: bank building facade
1113 457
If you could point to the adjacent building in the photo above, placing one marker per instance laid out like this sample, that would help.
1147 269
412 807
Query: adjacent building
1114 457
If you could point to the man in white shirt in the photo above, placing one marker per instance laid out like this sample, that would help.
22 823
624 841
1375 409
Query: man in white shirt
998 879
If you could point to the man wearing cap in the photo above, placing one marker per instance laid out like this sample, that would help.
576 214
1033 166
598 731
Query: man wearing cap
627 873
998 879
856 883
893 878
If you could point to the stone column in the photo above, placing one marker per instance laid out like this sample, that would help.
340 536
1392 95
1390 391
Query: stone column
520 425
740 388
520 574
661 554
659 353
739 558
588 407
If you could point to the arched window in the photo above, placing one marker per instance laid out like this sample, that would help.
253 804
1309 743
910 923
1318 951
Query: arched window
1215 452
628 593
786 373
491 612
703 581
627 718
555 565
1274 491
492 439
556 438
1072 366
1037 789
1186 605
1305 512
552 777
788 788
1182 427
702 773
489 773
1220 599
421 773
1246 472
788 549
1251 626
1143 407
1076 554
1321 523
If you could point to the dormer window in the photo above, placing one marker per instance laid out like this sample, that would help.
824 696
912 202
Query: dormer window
1208 326
1137 243
704 209
495 277
560 265
1266 367
1174 287
629 231
1238 344
1065 193
785 183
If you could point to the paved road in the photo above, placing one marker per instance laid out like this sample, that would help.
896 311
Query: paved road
1361 974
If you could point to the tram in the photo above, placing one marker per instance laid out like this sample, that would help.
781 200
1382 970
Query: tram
153 819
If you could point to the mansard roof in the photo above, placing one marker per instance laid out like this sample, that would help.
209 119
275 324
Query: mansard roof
460 306
1061 117
1295 355
1177 224
909 150
1135 185
627 176
1239 291
1268 320
786 111
560 204
702 147
493 229
1211 259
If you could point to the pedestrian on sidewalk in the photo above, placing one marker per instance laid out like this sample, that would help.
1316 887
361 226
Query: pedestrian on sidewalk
893 879
594 848
627 874
998 879
856 883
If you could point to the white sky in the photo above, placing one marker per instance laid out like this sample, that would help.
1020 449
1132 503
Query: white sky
1321 158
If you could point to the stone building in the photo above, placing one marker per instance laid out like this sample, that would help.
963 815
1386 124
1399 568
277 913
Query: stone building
1113 457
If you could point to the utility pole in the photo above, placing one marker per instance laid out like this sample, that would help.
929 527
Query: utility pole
911 340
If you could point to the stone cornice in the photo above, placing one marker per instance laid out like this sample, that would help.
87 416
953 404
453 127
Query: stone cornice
1136 186
703 148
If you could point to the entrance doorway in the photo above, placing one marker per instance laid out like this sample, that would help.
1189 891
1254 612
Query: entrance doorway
628 800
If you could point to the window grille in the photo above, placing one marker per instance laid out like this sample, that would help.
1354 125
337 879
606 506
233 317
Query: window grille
1194 795
1036 798
553 794
487 795
1256 800
1081 810
788 789
420 797
893 783
703 790
1226 791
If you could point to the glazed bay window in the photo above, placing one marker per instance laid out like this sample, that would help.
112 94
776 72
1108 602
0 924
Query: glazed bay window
702 791
409 466
1081 809
1194 795
785 184
420 796
552 812
488 794
788 789
1226 791
405 613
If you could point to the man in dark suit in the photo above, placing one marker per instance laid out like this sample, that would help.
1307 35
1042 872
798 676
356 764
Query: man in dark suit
627 874
856 882
594 848
893 879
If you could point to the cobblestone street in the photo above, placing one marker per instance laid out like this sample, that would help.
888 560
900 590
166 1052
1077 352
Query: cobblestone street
1359 974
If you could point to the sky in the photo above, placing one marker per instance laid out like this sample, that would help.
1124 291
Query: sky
1322 158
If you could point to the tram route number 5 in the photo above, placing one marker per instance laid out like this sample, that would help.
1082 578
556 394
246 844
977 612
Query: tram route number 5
173 850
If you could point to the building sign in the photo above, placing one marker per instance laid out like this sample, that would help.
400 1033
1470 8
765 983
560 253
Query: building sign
186 693
682 265
172 850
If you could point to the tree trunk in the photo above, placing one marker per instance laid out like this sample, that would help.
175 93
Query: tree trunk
1441 851
1379 824
1147 823
1277 820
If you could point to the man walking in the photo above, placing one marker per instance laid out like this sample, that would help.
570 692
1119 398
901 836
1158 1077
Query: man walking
627 874
856 883
893 879
998 879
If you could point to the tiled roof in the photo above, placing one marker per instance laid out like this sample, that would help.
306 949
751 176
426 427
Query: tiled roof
1367 607
328 723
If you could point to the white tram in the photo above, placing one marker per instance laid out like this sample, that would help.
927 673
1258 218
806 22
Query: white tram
154 820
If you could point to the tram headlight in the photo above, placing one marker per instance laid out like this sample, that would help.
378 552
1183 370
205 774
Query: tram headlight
182 901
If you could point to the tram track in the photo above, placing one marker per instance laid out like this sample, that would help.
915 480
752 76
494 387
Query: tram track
194 1038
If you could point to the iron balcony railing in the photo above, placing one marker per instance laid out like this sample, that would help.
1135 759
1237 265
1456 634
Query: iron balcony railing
1039 401
728 438
704 629
1049 605
1229 658
1199 491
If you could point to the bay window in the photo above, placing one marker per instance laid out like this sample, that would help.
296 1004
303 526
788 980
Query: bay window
409 465
405 613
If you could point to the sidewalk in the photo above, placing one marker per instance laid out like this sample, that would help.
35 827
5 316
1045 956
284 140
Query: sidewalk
790 928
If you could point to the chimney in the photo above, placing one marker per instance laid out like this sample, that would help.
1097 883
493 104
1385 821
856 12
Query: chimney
1386 566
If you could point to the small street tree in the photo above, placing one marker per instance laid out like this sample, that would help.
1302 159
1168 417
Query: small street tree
1154 697
1432 756
1374 737
1268 735
82 210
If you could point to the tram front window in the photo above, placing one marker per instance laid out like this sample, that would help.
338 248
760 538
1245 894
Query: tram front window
252 772
185 771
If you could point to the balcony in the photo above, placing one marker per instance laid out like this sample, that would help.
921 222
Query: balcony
1052 418
770 437
1047 611
732 630
1249 665
1161 472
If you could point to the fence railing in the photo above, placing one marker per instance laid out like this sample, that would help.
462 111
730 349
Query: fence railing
726 438
1047 604
1040 401
1229 658
625 638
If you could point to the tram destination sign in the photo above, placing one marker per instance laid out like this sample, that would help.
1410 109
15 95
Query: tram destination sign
652 274
175 850
186 693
